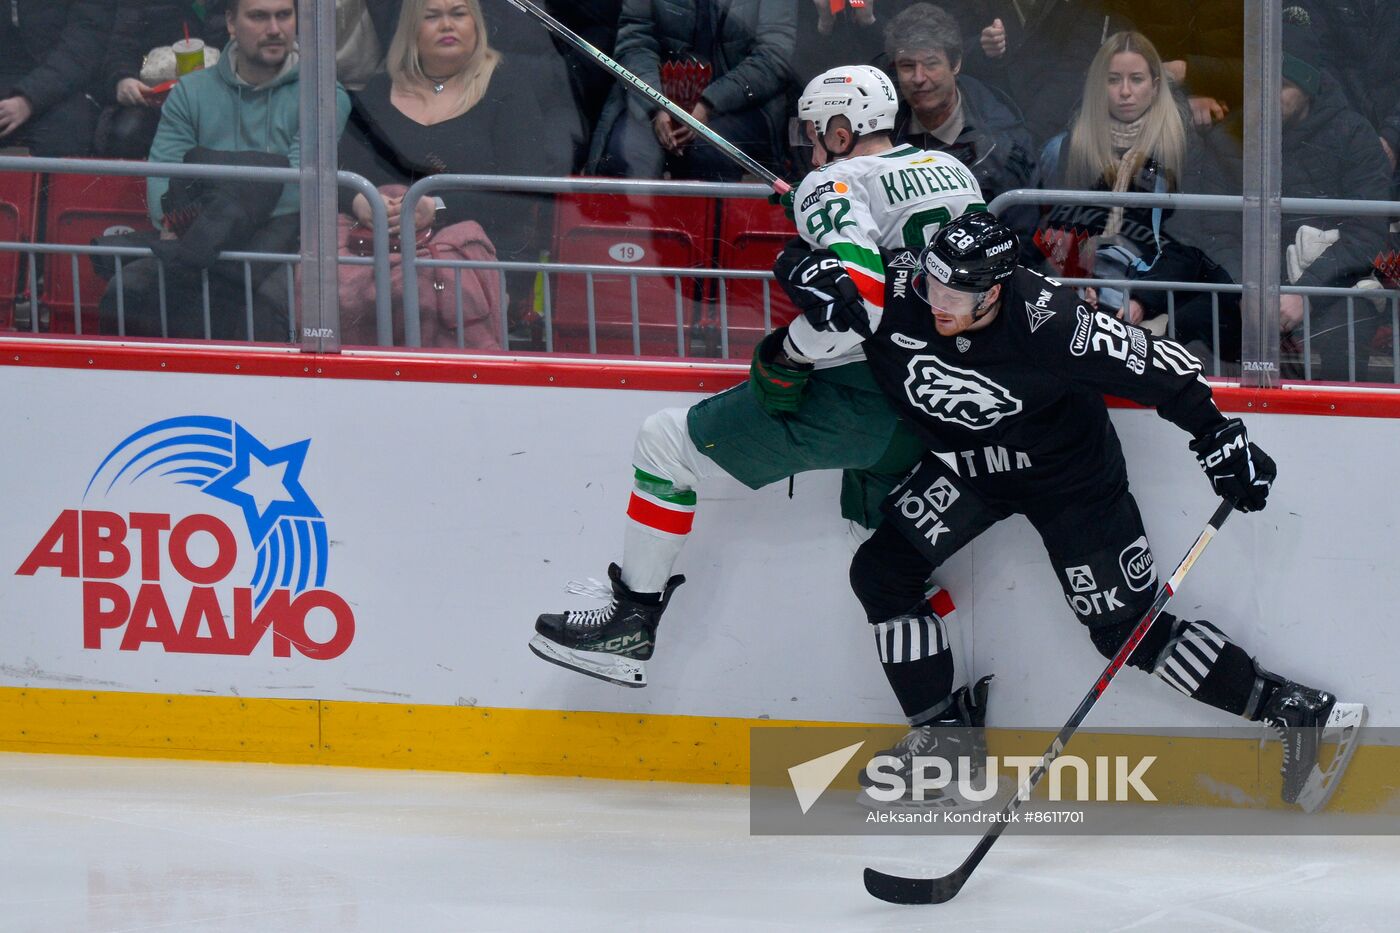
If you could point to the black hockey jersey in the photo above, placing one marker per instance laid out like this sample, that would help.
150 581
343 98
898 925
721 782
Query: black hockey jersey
1021 400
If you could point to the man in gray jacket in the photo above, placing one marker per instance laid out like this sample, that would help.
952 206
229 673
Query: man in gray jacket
748 45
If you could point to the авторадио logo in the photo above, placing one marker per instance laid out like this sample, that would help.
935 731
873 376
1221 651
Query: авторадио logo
280 523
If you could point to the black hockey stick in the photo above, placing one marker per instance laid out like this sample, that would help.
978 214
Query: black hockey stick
655 96
899 890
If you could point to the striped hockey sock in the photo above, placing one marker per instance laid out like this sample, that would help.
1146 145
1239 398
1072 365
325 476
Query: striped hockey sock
1202 663
916 660
659 518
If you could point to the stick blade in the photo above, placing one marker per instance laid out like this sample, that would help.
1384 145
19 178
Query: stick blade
896 890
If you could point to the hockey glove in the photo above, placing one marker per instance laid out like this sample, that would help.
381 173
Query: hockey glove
777 386
785 201
819 286
1237 470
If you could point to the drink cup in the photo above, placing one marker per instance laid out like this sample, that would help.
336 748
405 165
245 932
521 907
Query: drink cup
189 56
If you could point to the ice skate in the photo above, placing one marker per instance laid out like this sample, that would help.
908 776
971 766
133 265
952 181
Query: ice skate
1308 722
959 738
611 642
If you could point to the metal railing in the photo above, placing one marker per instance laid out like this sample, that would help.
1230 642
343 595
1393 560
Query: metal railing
424 187
379 260
548 270
1235 204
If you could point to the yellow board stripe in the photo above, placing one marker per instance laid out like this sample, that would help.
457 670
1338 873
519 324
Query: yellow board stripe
625 746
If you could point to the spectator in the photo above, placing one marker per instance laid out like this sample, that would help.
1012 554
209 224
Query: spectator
1329 151
1202 46
596 22
49 51
127 124
1038 51
1132 133
944 110
827 39
1360 43
449 102
363 29
248 105
748 44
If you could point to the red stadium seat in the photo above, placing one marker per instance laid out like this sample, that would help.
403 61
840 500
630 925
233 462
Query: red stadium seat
622 231
80 208
751 234
19 193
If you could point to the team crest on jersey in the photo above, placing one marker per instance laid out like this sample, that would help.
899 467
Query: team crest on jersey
957 396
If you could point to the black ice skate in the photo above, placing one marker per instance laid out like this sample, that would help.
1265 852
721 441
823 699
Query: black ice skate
958 737
1306 721
612 642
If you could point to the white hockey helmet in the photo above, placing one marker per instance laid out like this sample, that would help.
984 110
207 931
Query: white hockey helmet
862 94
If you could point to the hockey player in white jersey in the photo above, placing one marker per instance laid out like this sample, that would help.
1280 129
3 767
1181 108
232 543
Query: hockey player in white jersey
790 416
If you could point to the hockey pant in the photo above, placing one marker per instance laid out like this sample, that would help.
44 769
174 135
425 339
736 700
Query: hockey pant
1096 543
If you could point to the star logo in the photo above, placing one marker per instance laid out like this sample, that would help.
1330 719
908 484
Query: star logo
222 459
264 483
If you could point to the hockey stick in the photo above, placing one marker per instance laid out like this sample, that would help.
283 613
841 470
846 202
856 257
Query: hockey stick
899 890
670 106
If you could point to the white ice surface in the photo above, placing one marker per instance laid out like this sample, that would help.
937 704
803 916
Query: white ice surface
92 844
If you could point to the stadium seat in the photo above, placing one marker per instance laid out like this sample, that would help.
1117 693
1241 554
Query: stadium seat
751 234
19 193
80 208
622 231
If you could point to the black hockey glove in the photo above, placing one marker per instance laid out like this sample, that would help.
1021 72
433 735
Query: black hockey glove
1237 470
777 386
819 286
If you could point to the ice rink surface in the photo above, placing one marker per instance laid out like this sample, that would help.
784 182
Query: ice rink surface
103 844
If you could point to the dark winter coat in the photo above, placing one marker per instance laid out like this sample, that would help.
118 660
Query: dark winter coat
66 39
1330 153
1043 68
850 43
751 55
141 25
994 144
1362 43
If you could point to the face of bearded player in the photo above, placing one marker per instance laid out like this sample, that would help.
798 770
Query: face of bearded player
265 31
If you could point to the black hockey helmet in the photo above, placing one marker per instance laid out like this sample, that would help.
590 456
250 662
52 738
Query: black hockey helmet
971 253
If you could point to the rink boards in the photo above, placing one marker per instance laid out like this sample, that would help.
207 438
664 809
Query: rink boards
287 557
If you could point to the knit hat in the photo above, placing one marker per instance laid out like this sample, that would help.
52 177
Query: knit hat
1302 55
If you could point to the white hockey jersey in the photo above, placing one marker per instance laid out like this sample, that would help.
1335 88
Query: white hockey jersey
854 207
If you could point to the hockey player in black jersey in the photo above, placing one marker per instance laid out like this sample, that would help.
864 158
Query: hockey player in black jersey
1002 372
